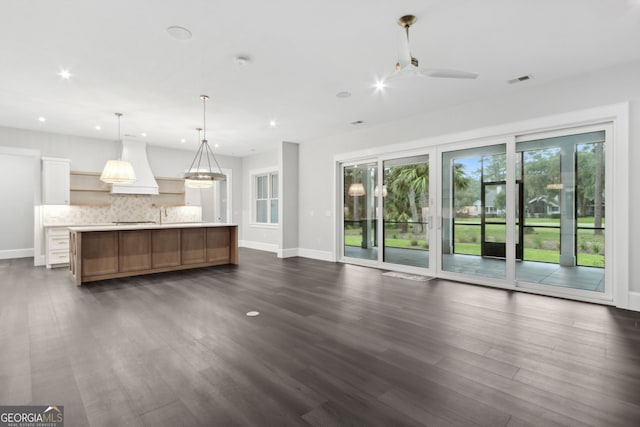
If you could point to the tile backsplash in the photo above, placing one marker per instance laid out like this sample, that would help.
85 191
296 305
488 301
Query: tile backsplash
123 208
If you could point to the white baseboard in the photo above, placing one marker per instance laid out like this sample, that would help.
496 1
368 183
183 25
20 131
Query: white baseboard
267 247
315 254
16 253
39 260
634 301
287 253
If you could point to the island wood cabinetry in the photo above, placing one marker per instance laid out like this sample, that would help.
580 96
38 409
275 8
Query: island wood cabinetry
98 253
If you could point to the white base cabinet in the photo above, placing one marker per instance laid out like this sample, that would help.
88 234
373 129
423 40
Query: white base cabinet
57 247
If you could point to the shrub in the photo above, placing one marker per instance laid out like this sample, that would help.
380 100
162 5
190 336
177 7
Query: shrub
537 242
414 243
584 247
595 248
474 239
425 246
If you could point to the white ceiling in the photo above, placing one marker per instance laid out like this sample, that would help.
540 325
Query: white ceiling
302 53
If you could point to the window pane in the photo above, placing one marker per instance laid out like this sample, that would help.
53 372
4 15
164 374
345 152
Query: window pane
274 211
274 186
260 194
261 211
405 196
474 211
359 207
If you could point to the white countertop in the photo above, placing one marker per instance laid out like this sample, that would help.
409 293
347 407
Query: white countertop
113 227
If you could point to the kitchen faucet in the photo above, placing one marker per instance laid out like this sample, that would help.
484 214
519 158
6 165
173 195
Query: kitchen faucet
160 211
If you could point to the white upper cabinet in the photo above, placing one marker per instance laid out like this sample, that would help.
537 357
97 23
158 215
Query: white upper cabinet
55 181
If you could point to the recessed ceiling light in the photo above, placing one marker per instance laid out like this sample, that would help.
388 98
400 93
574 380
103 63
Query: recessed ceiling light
64 74
179 33
380 85
143 134
42 119
183 140
216 145
343 94
241 60
357 122
272 123
98 127
253 313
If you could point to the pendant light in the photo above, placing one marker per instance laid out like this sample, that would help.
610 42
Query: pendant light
118 171
200 174
356 189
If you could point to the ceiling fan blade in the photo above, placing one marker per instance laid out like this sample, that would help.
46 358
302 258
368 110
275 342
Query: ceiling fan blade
404 54
446 73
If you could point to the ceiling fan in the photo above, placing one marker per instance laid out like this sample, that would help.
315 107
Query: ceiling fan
407 65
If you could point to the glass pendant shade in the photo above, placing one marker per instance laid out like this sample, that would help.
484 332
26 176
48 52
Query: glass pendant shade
118 172
198 183
356 189
200 174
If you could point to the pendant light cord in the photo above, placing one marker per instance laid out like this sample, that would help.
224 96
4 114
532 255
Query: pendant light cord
118 115
204 116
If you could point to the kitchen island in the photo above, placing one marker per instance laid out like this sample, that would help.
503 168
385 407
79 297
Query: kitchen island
112 251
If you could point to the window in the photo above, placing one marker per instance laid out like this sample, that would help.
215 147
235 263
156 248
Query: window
266 198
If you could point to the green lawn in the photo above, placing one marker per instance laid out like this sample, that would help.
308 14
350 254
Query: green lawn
540 244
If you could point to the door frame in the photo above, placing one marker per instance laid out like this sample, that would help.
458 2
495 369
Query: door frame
608 294
379 217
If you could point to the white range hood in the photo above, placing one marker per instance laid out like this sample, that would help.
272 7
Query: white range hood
136 153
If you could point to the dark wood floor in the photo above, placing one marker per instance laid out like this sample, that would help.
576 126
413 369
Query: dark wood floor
334 345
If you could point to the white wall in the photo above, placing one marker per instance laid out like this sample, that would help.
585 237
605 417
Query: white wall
265 237
289 199
526 101
19 179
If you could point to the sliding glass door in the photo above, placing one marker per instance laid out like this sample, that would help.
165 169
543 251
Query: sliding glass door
387 213
564 188
519 212
406 224
360 205
473 238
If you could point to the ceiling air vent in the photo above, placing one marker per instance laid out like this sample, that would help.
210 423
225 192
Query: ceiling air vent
520 79
357 122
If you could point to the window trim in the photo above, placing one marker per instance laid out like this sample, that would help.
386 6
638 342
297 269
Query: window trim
255 174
